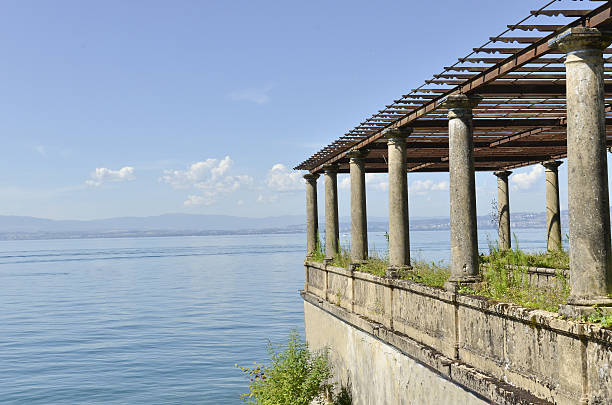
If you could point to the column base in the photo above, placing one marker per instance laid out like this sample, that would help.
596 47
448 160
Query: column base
397 271
453 285
578 308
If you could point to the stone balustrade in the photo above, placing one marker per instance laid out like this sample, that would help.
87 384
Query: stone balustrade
488 348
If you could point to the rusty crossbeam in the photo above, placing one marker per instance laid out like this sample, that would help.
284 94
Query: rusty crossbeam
524 90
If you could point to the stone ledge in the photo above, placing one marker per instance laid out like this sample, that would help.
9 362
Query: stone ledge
469 378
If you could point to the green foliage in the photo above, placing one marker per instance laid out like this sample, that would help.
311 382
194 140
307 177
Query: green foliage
432 274
344 397
604 320
505 278
343 257
375 265
319 254
295 376
558 259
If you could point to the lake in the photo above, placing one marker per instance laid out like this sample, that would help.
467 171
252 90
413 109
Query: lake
156 320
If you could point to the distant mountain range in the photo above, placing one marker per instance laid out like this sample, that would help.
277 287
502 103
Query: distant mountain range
19 227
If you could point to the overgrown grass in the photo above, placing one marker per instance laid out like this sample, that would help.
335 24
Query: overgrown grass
505 277
553 260
428 273
343 257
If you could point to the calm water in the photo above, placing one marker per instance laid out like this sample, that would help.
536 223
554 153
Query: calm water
154 320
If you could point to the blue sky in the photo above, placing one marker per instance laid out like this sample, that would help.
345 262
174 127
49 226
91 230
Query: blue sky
121 108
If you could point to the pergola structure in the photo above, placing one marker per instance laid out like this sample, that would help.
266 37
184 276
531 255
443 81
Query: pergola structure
533 94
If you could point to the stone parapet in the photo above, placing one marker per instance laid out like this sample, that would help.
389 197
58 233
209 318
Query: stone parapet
502 352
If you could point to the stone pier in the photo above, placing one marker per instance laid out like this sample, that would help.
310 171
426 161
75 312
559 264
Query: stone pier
553 208
589 208
503 210
332 226
359 226
399 237
463 231
312 214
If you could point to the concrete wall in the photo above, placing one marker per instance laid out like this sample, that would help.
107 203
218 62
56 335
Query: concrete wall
376 372
502 352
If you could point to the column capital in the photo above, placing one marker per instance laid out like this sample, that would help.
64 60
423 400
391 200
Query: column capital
331 168
357 154
311 177
395 134
552 165
502 174
580 39
460 105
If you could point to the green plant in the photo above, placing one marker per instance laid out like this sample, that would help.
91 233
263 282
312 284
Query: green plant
375 265
505 278
319 253
604 320
343 257
558 259
429 273
295 376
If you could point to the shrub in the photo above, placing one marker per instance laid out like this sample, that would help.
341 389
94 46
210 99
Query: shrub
295 376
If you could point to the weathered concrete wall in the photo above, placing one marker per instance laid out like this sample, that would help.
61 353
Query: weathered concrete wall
502 352
376 372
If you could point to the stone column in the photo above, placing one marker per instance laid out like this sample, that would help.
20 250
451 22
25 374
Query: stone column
503 210
463 231
399 237
332 228
553 209
312 214
359 226
589 208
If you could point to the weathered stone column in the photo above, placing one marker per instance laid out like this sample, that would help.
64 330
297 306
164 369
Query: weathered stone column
463 231
399 236
553 209
589 208
332 228
359 226
312 214
503 210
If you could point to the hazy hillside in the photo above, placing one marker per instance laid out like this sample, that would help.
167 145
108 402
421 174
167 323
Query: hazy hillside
14 227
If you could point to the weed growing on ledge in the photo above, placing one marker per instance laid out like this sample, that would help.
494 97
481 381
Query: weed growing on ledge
343 258
512 285
319 254
558 259
432 274
604 320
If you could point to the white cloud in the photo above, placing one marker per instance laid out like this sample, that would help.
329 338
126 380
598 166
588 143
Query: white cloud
268 199
524 180
424 186
377 181
254 95
210 177
103 175
281 178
